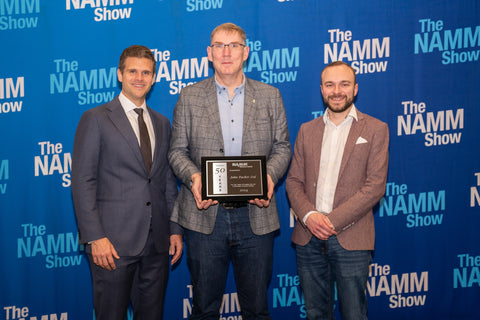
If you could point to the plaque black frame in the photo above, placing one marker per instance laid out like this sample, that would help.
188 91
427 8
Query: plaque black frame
236 197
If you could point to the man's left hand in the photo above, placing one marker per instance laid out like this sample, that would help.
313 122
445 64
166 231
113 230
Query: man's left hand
262 203
176 247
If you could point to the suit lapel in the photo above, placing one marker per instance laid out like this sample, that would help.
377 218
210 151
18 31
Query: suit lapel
316 144
355 131
120 120
249 111
158 132
250 106
211 108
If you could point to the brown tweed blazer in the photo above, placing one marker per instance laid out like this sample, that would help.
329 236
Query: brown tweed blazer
361 183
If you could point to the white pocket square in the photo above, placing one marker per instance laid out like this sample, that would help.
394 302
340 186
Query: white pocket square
361 140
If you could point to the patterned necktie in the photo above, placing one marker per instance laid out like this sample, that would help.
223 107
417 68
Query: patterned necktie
145 145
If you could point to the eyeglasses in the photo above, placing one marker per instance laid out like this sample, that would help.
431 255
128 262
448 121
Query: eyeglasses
231 46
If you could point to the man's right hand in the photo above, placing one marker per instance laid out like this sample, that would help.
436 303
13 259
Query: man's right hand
103 254
320 226
197 193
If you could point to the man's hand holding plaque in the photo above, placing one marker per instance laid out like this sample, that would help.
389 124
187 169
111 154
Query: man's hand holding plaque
197 193
233 180
262 203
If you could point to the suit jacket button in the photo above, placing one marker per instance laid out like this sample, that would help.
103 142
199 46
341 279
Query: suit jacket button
149 180
148 203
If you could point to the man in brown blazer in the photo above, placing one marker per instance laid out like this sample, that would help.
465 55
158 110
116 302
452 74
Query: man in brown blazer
338 173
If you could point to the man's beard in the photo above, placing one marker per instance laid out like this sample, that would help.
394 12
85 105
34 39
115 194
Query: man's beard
343 108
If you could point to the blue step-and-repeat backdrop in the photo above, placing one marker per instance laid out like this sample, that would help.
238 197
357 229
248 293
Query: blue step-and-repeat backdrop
417 65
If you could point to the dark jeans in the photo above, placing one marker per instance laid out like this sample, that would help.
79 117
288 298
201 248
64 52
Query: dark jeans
322 264
209 256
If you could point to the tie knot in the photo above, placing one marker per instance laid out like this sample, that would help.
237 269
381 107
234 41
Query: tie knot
139 111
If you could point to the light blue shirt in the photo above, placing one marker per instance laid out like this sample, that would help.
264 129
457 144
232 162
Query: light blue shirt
231 117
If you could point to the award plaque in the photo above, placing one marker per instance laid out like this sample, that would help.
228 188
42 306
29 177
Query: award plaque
234 179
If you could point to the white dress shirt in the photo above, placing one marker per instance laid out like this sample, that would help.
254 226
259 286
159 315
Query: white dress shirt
132 116
333 145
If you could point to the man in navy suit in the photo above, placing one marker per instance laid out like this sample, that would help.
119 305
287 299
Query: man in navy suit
124 192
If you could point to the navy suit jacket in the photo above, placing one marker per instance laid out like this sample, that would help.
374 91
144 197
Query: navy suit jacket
113 194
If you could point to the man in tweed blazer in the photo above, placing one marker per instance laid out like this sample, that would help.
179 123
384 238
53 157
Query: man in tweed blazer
338 173
228 115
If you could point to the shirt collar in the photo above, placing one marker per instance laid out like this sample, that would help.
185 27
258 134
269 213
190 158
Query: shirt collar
221 88
129 105
351 114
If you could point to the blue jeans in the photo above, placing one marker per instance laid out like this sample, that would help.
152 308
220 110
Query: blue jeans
322 264
209 256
